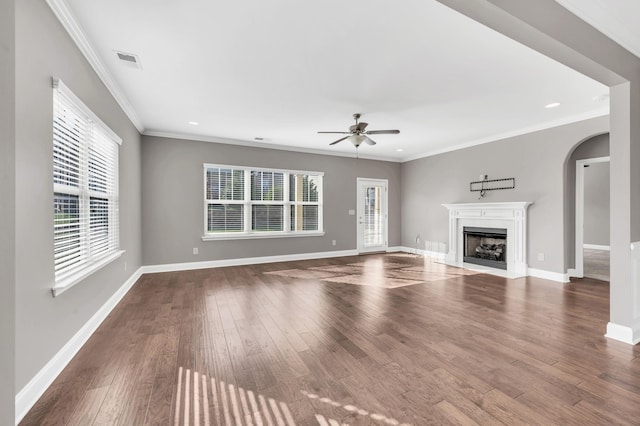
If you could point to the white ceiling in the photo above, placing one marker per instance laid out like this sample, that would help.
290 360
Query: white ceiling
284 69
617 19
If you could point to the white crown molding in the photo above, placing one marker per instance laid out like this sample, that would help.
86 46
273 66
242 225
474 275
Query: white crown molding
68 21
518 132
598 15
264 145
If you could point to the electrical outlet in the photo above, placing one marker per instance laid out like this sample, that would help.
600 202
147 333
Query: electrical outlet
195 250
352 212
333 242
541 257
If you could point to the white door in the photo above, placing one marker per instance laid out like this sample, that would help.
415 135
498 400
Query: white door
372 215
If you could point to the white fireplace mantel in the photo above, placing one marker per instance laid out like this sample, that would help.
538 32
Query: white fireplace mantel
511 216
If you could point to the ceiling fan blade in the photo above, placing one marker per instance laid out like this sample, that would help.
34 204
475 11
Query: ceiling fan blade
369 141
362 126
382 132
339 140
338 133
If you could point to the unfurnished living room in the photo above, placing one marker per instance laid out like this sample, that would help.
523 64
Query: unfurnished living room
319 213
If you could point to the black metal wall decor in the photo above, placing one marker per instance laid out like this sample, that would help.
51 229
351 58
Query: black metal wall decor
482 186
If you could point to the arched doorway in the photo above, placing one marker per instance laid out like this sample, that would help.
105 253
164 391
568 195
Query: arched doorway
586 199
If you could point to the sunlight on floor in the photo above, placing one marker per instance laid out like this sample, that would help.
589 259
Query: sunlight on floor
205 401
354 409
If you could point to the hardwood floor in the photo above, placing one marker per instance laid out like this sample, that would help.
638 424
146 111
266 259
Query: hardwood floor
293 343
596 264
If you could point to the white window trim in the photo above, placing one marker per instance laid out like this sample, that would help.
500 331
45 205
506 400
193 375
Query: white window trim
259 235
74 278
67 280
63 89
247 202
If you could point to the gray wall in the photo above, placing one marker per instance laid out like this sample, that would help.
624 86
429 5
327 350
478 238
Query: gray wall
536 161
7 211
575 43
43 323
173 209
597 146
596 204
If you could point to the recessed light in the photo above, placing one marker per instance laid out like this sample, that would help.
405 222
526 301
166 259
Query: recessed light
552 105
600 98
194 123
399 150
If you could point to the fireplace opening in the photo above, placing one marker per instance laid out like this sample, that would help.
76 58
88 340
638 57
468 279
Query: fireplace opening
485 246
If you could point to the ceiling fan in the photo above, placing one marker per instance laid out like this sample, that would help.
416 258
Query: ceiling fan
357 133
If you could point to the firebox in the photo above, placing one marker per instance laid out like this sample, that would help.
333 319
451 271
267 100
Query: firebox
485 246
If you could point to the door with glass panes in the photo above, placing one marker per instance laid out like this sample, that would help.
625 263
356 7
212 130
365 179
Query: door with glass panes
372 215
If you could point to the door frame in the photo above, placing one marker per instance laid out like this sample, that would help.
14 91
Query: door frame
578 270
385 209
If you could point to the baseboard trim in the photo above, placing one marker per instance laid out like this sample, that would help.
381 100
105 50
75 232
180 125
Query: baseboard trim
548 275
630 335
596 247
188 266
425 253
572 272
395 249
29 395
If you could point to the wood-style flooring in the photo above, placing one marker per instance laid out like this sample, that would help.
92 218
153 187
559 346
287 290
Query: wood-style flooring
254 345
596 264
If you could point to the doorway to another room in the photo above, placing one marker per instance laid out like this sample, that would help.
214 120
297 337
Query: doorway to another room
592 218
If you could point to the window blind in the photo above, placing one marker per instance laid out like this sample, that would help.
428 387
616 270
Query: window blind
252 201
85 185
303 193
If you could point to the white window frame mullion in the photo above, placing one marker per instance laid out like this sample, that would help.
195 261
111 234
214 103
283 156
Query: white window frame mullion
286 197
205 224
85 211
321 205
248 211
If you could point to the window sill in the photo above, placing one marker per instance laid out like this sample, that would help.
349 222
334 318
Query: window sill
259 235
69 281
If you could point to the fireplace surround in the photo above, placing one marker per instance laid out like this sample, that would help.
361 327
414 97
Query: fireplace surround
504 220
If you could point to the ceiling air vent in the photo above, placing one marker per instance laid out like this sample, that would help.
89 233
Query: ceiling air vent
129 59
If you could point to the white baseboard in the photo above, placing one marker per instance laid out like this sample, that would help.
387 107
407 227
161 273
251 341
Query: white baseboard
548 275
623 333
572 272
426 253
596 247
395 249
29 395
173 267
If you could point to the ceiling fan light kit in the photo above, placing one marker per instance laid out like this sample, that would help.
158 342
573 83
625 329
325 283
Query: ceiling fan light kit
357 133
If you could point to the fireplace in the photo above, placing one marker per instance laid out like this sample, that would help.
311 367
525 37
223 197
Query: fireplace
508 219
485 246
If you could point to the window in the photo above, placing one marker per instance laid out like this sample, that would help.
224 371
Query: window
85 189
243 202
